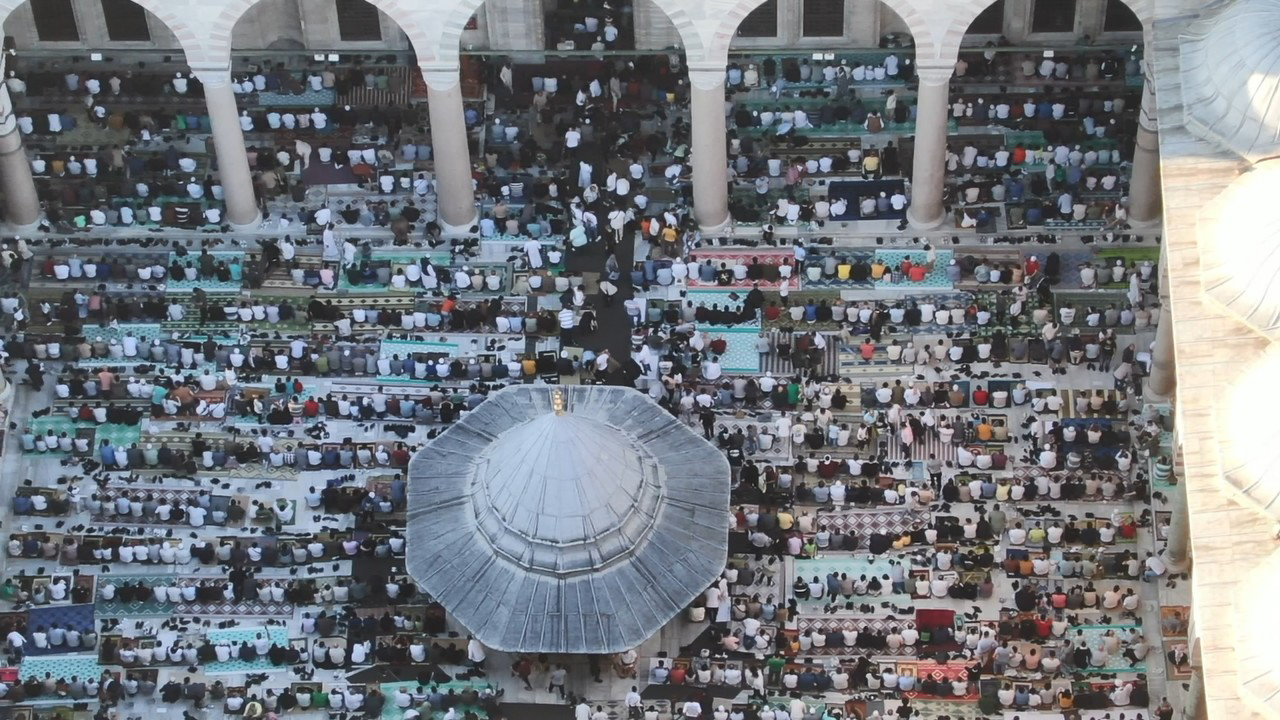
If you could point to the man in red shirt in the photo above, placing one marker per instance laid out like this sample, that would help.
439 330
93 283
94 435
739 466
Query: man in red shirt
916 273
400 456
980 396
868 349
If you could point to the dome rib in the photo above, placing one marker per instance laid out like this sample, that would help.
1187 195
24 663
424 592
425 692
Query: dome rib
1230 67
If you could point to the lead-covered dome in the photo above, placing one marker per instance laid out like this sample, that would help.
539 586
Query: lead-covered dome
1239 240
571 519
595 498
1230 62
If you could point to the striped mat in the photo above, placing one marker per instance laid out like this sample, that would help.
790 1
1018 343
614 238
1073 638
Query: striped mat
920 449
780 366
851 358
399 90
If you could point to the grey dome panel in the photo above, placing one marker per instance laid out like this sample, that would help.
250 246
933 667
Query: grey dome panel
1230 66
582 532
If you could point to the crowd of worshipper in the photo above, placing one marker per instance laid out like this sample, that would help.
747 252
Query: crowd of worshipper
580 163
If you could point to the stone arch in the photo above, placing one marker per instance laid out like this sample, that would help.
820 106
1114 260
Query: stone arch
916 14
191 42
402 12
450 38
966 11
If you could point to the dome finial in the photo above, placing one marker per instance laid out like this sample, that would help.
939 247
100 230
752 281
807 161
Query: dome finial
557 402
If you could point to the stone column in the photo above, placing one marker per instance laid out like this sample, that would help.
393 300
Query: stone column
449 149
929 162
1163 368
228 142
1145 204
1195 706
710 157
1177 549
22 204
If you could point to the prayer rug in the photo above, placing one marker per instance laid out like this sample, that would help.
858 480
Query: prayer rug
930 708
64 666
921 449
781 365
236 636
1116 663
77 616
940 673
731 256
263 472
248 608
830 623
864 523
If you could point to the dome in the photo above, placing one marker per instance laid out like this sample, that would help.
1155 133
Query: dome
1256 647
1250 454
596 500
1230 62
1239 233
566 519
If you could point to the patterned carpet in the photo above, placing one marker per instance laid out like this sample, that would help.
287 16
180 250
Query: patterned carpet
249 608
391 712
846 623
236 636
1116 663
868 522
79 616
61 666
942 673
731 256
151 608
263 472
930 709
853 566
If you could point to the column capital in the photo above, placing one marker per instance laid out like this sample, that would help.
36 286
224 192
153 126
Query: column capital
212 75
441 76
707 75
1147 112
935 72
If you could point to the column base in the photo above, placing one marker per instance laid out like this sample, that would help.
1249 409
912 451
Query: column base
1152 224
920 223
715 228
25 230
249 227
451 231
1174 566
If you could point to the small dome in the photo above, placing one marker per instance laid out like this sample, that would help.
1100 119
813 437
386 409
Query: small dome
1231 77
1250 454
1239 235
562 494
1258 651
